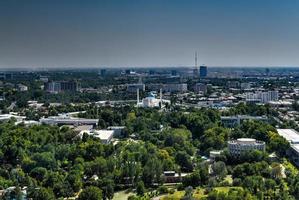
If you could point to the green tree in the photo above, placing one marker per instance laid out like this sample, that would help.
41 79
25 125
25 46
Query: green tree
91 193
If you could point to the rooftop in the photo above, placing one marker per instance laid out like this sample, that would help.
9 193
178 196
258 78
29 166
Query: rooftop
290 135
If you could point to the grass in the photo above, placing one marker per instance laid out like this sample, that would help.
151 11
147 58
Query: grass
289 166
122 195
198 193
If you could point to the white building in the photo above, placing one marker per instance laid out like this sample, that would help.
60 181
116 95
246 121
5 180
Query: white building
7 117
68 120
262 97
241 145
22 88
118 130
151 101
292 136
104 135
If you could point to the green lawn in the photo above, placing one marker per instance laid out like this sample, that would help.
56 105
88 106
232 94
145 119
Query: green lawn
122 195
289 166
198 193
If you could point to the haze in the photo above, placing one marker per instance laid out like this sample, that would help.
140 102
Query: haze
80 33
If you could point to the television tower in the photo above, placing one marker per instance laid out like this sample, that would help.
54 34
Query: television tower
195 71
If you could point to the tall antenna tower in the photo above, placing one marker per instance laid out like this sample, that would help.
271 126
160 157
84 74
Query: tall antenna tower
196 60
196 71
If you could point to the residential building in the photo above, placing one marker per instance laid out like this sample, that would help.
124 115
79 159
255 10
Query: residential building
200 88
61 86
262 97
136 86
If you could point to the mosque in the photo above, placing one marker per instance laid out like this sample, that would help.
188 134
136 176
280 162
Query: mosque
151 101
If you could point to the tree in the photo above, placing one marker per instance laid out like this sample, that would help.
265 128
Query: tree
188 193
108 188
42 193
91 193
140 188
219 169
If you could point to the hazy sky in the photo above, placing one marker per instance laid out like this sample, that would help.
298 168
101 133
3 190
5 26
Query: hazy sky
96 33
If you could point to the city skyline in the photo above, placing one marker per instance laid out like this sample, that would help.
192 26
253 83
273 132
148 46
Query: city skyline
153 33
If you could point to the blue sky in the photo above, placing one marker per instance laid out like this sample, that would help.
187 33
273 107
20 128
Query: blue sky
97 33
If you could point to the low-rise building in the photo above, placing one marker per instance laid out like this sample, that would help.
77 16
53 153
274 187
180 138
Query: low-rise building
292 136
233 121
242 145
68 120
104 135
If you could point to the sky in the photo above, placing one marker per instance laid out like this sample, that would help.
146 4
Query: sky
147 33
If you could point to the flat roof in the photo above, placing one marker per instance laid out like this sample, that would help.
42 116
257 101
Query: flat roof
290 135
103 134
295 147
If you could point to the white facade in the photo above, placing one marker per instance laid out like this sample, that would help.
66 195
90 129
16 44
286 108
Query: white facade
104 135
263 97
292 136
7 117
67 120
237 147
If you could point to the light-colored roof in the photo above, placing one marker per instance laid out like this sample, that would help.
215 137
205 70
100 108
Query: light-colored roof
295 147
103 134
290 135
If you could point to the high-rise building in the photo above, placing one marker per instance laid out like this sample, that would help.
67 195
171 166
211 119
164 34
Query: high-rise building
103 72
174 72
262 97
200 88
61 86
203 71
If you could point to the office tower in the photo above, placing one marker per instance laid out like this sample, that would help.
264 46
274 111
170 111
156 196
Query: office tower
103 72
203 71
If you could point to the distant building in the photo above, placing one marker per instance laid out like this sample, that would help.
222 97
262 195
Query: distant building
233 121
178 87
136 86
245 86
103 72
174 72
68 120
241 145
61 86
22 88
6 76
200 88
262 97
44 79
128 71
7 117
233 84
203 71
